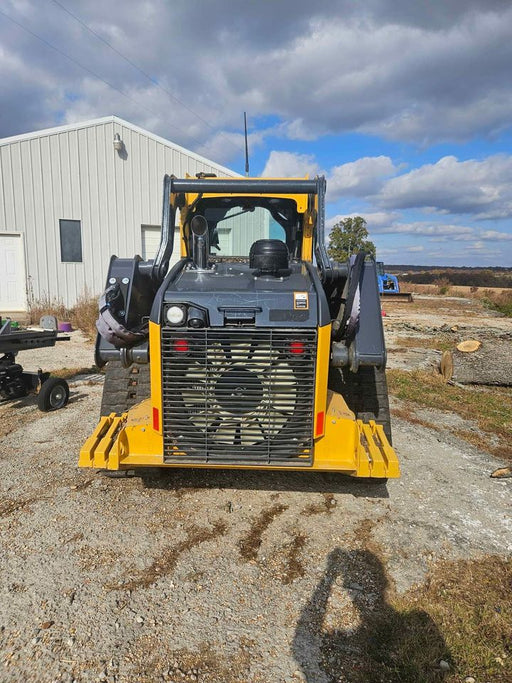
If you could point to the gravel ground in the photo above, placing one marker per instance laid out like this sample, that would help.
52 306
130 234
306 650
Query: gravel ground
212 576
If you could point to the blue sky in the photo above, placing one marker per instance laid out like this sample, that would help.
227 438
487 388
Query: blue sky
405 107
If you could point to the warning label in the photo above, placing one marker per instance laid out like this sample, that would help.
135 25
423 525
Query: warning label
300 301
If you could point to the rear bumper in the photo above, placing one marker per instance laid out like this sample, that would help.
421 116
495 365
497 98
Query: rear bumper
348 446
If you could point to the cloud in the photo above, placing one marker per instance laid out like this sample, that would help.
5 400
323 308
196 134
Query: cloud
482 188
437 232
386 67
222 145
374 220
287 164
359 178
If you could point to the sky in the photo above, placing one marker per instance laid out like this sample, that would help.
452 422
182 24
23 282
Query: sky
405 107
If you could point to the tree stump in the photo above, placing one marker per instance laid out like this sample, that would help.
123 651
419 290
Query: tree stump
490 364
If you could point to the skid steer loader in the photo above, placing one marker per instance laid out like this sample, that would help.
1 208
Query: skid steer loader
253 351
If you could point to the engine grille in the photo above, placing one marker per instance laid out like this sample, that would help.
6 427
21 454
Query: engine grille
238 395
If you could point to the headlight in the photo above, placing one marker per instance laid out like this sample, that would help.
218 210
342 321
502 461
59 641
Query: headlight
176 315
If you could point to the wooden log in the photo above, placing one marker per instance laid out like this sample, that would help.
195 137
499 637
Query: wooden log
490 364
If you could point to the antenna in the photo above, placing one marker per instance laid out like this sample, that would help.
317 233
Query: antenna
246 148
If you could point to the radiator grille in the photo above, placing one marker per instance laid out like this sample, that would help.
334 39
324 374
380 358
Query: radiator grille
238 395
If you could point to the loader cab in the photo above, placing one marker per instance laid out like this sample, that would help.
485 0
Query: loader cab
236 222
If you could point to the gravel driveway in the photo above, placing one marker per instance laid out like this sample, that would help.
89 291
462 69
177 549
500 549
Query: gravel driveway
213 576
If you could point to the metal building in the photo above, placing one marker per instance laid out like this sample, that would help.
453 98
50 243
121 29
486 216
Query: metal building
72 196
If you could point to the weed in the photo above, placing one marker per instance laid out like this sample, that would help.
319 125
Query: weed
47 305
443 285
471 603
82 315
491 409
501 302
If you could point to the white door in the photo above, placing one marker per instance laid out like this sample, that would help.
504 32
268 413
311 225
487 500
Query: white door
151 242
13 294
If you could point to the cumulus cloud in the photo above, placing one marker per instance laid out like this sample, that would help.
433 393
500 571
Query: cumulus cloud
288 164
388 67
482 188
374 220
359 178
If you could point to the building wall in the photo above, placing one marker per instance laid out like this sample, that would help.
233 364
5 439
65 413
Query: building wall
76 174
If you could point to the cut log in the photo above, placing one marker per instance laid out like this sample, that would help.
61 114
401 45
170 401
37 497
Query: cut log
490 364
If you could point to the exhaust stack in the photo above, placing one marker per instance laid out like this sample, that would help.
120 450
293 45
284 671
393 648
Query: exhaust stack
200 242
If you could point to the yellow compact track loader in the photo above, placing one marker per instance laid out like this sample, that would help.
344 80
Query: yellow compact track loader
253 351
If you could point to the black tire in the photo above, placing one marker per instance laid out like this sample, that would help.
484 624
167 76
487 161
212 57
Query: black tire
53 394
366 394
124 387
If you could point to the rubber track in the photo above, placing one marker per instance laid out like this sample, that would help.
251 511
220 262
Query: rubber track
124 387
366 394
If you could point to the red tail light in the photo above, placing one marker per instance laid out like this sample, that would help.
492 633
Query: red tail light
181 346
297 347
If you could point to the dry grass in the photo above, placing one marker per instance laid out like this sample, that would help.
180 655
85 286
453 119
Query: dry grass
495 298
82 316
455 290
499 301
471 604
441 343
69 373
85 313
47 305
490 409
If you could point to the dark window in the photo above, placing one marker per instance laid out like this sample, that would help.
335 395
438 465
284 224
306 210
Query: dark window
70 241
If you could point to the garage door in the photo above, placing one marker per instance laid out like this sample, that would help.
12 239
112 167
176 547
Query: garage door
151 242
13 295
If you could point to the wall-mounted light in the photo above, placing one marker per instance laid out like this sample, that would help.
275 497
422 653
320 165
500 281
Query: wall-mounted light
118 143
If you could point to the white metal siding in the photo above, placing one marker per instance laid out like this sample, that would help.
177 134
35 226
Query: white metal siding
76 174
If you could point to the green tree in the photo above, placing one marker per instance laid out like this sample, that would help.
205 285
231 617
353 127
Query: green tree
348 237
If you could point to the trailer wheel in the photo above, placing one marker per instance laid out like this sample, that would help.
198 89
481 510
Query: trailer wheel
124 387
54 394
366 394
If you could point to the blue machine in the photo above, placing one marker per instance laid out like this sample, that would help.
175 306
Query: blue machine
388 284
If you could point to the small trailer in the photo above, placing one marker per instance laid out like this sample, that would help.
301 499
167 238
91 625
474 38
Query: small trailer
52 392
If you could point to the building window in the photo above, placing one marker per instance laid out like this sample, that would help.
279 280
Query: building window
70 241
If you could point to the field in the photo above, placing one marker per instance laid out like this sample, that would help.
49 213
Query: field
219 577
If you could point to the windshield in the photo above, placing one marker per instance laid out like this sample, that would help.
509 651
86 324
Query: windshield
235 223
234 234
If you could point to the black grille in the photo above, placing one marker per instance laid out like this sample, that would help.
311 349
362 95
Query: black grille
238 395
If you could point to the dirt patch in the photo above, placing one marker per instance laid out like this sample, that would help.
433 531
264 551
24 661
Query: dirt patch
7 507
250 544
208 664
325 507
293 565
168 560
